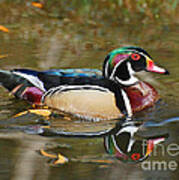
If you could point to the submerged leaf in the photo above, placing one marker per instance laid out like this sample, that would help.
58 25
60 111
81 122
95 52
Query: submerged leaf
61 159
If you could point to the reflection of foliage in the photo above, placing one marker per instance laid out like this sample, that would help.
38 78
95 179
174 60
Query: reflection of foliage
123 10
63 32
113 10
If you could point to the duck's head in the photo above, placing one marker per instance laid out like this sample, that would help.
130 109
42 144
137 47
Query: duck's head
121 65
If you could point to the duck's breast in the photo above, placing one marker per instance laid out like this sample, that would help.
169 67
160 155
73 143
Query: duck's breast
142 97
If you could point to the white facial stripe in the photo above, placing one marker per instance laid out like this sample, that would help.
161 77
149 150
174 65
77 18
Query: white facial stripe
115 67
127 103
143 54
116 146
159 140
34 80
131 71
131 130
106 139
106 69
130 81
134 51
131 142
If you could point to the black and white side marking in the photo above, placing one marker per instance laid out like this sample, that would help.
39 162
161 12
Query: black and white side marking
127 103
65 88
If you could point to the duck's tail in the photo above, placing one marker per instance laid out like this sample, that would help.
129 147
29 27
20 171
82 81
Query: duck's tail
13 82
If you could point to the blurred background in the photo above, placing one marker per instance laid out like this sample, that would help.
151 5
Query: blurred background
60 33
79 34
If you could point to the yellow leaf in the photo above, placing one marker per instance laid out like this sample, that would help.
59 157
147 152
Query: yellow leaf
47 154
36 4
21 114
101 161
61 159
4 29
3 56
42 112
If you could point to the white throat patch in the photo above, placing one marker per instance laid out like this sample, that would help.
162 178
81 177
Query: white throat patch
132 80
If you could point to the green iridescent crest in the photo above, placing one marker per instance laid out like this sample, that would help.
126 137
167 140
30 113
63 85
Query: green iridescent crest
119 54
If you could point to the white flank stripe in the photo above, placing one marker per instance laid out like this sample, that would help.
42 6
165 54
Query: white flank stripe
71 87
60 89
127 103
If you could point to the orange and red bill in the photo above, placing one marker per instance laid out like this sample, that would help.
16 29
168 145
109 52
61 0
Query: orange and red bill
151 67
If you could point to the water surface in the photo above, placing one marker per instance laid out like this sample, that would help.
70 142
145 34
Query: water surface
39 42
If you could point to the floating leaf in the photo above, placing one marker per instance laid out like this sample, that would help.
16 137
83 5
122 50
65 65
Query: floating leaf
20 114
4 29
41 112
42 152
3 56
61 159
101 161
36 4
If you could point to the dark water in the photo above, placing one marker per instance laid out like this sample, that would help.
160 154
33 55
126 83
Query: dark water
40 42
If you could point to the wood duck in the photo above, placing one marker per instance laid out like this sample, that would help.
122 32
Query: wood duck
84 92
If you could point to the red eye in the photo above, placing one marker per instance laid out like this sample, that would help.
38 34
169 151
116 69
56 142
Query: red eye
135 57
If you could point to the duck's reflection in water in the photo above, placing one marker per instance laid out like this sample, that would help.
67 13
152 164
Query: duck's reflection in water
121 142
127 141
125 146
